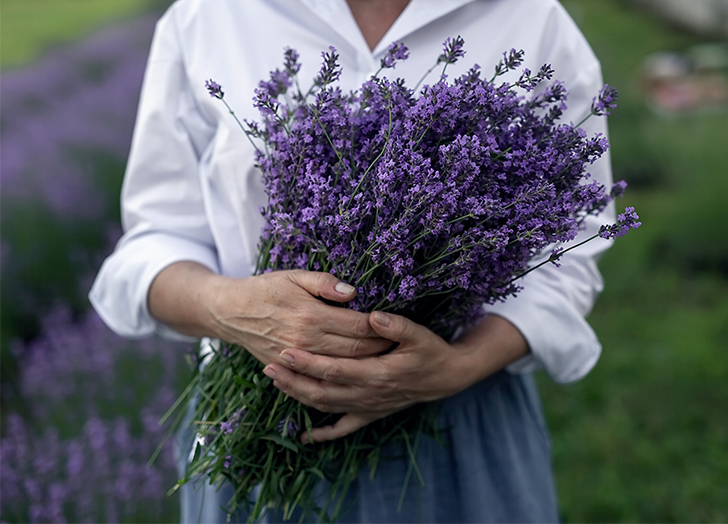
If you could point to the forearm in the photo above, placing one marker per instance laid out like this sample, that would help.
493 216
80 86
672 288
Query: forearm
180 296
265 313
487 348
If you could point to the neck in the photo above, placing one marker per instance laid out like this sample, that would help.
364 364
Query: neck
375 17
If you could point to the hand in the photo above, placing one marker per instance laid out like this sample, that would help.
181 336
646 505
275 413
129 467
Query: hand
422 368
265 314
275 311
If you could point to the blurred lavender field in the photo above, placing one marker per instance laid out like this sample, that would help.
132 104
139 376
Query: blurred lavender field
80 406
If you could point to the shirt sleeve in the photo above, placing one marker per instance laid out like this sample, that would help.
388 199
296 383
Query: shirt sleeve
163 215
550 309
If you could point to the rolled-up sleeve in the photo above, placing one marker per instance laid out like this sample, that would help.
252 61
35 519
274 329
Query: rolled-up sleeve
163 213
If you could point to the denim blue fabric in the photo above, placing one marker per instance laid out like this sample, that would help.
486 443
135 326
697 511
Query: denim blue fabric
493 466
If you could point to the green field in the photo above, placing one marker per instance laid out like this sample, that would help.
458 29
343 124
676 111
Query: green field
31 27
644 438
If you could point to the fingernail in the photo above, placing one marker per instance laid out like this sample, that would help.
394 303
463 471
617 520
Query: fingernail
304 438
382 318
288 358
270 372
344 289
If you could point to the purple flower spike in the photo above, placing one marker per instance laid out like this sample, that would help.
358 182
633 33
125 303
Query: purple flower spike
625 221
618 189
396 51
288 428
511 60
228 462
606 100
214 89
291 62
330 70
452 50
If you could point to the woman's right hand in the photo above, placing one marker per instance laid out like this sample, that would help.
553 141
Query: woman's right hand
265 314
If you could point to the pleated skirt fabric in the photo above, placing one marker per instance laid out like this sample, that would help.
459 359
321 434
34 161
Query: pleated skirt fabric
492 464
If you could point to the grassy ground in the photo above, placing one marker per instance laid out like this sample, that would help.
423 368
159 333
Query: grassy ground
30 27
644 436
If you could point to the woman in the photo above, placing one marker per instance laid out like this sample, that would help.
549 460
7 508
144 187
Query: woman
190 213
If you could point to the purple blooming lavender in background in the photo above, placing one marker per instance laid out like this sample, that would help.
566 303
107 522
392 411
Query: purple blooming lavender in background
77 103
83 463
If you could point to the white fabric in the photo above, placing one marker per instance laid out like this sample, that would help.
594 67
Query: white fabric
192 192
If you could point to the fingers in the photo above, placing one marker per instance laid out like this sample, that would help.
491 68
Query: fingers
335 370
347 424
395 327
324 285
325 397
342 321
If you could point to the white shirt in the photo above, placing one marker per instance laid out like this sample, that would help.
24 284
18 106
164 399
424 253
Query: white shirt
191 190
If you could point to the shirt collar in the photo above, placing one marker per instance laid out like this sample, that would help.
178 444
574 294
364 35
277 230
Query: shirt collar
416 15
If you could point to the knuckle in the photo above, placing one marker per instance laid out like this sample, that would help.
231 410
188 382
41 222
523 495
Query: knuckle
371 402
360 328
333 373
358 348
305 317
320 400
322 280
299 341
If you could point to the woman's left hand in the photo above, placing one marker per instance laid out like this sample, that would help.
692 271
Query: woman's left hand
422 368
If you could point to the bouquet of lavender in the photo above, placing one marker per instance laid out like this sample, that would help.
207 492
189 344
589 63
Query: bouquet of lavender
430 203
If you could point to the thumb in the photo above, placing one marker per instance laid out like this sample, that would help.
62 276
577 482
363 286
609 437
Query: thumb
393 327
324 285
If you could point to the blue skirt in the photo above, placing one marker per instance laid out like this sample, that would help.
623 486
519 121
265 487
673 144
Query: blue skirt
494 466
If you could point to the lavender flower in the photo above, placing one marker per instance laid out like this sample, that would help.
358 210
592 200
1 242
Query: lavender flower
214 89
87 457
625 222
430 204
288 427
511 60
229 426
618 189
395 52
330 69
291 61
605 100
452 50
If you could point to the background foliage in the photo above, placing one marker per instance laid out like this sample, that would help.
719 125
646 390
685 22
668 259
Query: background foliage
643 438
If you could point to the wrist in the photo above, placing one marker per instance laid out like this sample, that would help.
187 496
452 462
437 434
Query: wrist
184 296
487 348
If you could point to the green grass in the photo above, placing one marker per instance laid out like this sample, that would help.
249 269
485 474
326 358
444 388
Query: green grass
30 27
644 438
